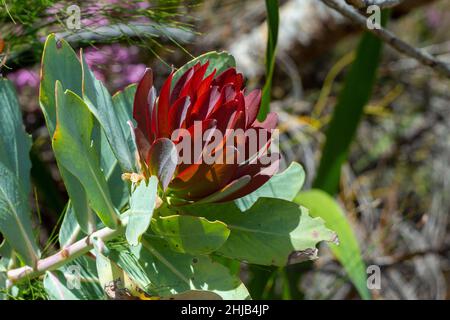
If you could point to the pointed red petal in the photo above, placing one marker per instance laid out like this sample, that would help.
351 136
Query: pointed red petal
269 124
142 107
162 160
178 112
163 109
191 87
252 104
260 175
182 81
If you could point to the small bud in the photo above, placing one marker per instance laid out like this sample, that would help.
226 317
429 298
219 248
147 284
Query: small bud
133 177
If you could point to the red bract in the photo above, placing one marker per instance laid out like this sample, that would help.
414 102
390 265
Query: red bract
203 106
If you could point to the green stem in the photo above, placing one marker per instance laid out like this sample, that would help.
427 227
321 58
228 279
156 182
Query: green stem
63 256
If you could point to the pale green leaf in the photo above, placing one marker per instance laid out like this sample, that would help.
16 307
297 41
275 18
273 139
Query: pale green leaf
60 63
170 273
347 252
70 231
269 232
284 185
77 280
73 149
142 204
188 234
100 103
123 103
15 213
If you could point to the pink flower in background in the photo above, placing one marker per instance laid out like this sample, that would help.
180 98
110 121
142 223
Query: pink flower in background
134 72
25 78
434 17
122 63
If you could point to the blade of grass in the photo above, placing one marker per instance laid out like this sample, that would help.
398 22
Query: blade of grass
272 24
348 111
346 117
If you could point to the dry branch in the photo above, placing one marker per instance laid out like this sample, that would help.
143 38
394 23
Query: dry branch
308 29
390 38
380 3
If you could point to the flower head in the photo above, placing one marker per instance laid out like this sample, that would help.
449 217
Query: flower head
200 136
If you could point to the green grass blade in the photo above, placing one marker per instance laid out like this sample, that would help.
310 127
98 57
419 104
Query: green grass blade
347 252
272 24
348 112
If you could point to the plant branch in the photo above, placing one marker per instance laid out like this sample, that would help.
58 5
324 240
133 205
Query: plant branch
380 3
63 256
390 38
70 252
404 257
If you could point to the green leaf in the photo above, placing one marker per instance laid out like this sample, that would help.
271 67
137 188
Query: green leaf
7 261
271 232
220 61
194 295
72 146
79 200
110 168
127 261
272 38
123 103
15 213
347 252
60 63
70 231
169 272
142 204
100 103
284 185
48 189
188 234
77 280
348 112
6 256
3 290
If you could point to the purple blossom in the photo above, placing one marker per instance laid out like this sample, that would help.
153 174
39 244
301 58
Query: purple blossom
25 78
134 72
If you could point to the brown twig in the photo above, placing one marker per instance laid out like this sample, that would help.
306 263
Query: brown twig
390 38
404 257
380 3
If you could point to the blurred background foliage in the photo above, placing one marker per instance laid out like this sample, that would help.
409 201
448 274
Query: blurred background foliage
392 142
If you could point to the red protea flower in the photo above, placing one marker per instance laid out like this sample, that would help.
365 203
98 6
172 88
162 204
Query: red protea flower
213 115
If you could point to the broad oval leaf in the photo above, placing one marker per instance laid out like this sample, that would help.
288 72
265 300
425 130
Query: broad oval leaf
269 233
188 234
162 272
